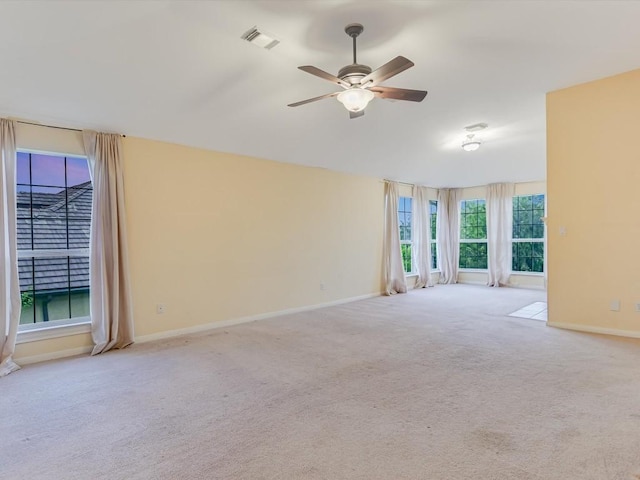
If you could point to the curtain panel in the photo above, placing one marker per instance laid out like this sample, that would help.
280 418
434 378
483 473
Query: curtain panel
499 232
110 304
448 234
10 300
422 237
392 271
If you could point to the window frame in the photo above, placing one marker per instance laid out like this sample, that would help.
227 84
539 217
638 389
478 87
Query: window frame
28 332
462 241
410 241
433 241
540 240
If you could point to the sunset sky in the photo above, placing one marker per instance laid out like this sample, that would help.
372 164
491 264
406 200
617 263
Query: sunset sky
49 171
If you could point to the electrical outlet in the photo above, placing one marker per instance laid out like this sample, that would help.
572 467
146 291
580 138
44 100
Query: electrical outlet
638 307
322 286
614 305
160 308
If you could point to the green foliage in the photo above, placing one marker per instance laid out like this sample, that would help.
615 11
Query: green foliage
433 212
473 220
528 213
473 255
434 255
406 257
27 299
473 226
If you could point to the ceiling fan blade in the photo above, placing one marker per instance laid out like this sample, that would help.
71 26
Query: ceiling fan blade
356 114
322 74
388 70
399 93
314 99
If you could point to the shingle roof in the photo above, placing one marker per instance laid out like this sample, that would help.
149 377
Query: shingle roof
42 224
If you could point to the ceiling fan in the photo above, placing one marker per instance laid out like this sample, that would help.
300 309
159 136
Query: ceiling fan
360 83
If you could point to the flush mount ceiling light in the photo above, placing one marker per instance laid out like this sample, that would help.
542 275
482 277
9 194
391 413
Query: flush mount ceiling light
470 144
260 38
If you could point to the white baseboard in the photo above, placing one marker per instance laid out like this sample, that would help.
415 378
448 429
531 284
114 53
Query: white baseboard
527 287
600 330
251 318
44 357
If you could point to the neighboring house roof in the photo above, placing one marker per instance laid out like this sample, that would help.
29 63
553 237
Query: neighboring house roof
42 224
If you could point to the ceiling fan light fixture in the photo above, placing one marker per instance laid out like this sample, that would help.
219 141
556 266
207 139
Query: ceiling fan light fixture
470 144
355 99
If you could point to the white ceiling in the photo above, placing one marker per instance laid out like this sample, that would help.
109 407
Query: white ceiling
178 71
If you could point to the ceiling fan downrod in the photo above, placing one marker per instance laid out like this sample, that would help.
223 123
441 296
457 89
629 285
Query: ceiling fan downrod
353 30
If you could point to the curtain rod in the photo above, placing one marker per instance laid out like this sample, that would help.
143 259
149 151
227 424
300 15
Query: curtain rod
24 122
401 183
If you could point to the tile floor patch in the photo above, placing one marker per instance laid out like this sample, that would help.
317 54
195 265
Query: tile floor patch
535 311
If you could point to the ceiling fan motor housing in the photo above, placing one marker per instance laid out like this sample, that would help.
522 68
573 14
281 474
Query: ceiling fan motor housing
354 73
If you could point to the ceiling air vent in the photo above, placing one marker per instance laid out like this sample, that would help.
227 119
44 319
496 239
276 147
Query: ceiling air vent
259 38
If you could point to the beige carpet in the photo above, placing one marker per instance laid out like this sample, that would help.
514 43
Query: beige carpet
436 384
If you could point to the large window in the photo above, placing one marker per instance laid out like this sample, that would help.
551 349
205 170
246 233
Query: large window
473 234
528 233
405 218
54 195
433 217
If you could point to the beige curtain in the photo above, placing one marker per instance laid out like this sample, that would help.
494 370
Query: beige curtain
499 231
10 303
422 236
448 234
393 272
111 307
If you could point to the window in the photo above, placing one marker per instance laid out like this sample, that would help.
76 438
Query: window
404 221
433 216
54 196
528 233
473 234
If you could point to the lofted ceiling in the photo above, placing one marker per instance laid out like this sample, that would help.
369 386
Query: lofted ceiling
178 71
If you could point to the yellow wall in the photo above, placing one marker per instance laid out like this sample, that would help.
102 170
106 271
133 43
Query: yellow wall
593 169
216 237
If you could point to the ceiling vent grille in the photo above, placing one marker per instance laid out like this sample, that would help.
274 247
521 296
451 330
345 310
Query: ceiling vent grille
260 38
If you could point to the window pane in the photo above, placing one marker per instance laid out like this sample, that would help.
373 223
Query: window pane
22 165
434 225
51 288
537 249
538 201
47 170
49 232
537 231
473 255
79 278
25 275
537 265
77 171
79 201
434 255
406 257
51 216
528 257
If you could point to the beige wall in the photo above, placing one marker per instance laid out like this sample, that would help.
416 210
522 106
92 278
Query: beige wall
593 168
216 237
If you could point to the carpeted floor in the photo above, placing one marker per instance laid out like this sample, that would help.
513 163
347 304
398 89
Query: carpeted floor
437 384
